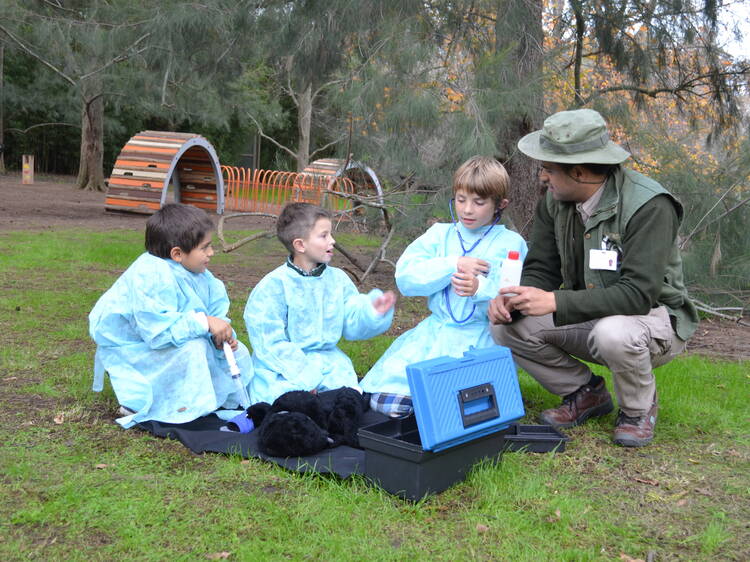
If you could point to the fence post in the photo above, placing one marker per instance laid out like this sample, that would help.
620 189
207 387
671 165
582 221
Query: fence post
27 161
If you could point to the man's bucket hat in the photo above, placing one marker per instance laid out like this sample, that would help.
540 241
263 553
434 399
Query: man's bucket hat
573 137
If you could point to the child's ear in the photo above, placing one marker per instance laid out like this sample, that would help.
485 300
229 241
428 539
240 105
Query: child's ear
299 245
176 254
502 204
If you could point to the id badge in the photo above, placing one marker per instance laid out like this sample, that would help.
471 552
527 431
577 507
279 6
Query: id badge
603 259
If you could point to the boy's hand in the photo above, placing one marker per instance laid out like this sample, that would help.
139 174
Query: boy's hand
221 331
475 266
384 302
499 310
465 284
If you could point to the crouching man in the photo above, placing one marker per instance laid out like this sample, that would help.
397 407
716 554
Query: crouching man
602 281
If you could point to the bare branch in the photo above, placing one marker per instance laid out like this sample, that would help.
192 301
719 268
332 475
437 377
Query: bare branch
121 57
695 228
322 148
27 129
379 255
164 82
58 6
323 87
273 140
29 51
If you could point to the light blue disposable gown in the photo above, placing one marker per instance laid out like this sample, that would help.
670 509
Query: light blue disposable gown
425 269
159 357
294 323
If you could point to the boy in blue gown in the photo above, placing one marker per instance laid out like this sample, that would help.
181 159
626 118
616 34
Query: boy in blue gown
296 315
160 328
457 267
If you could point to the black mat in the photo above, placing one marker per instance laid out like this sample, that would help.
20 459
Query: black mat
204 436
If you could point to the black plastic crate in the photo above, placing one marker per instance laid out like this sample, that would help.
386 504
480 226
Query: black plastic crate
396 461
534 438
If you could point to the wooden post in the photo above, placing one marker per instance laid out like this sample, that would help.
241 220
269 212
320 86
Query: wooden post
27 169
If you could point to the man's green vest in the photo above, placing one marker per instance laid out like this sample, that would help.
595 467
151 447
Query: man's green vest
626 191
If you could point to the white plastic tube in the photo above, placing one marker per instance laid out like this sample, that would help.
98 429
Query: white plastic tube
234 370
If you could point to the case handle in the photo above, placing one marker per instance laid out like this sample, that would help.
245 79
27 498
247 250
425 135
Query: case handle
477 404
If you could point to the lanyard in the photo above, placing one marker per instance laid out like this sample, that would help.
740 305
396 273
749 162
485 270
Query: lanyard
447 289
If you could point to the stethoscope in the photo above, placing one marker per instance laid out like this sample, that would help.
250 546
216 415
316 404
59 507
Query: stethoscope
447 289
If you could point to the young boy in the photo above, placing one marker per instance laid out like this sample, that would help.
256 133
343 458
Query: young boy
297 313
456 266
161 327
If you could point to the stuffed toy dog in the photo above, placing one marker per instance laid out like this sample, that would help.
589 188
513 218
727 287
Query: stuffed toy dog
300 423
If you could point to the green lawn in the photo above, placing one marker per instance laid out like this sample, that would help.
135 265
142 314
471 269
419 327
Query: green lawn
77 487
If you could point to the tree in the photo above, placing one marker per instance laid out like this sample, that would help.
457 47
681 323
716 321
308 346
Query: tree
674 99
162 57
314 48
81 43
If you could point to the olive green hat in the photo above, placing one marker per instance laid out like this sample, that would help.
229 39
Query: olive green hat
573 137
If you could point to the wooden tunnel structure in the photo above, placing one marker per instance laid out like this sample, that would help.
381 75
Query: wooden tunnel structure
152 160
363 179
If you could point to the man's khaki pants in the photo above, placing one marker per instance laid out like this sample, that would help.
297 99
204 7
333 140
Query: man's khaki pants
630 346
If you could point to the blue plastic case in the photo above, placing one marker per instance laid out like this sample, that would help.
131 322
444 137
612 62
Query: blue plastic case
460 399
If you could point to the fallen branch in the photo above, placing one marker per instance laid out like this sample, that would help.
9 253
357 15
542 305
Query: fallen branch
339 248
226 248
380 255
703 307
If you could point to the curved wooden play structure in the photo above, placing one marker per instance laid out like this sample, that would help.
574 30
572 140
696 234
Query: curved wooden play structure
152 160
364 180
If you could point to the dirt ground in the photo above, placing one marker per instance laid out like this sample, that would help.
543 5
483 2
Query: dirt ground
53 203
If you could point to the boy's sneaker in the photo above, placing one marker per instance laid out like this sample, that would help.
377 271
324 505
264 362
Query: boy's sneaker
635 431
586 402
123 411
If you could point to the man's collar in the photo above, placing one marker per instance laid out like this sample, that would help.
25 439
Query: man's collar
586 208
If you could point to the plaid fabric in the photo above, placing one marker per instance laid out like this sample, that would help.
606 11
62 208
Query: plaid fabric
393 405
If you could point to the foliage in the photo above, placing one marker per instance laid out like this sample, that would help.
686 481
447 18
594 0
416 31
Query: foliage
672 99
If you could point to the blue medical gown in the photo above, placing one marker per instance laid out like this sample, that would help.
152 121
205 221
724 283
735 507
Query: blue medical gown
294 323
425 269
160 359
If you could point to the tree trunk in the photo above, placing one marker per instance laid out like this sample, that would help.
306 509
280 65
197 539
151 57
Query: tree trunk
2 108
90 169
304 121
519 28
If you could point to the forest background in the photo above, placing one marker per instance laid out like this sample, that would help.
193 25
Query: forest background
411 88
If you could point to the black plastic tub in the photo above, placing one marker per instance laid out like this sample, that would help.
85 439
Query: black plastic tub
396 461
534 438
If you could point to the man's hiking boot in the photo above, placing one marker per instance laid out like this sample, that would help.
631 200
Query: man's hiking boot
635 431
586 402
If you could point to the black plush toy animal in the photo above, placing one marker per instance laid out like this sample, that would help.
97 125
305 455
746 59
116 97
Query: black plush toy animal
300 423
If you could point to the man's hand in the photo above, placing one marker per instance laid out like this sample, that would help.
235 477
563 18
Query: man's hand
384 302
465 284
475 266
529 301
221 331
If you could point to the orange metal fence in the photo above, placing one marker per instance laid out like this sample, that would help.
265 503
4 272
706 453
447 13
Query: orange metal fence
267 191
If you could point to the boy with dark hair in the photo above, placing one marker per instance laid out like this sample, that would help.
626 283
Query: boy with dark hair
160 328
296 315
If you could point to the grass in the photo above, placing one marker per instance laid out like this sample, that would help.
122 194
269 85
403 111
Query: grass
77 487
